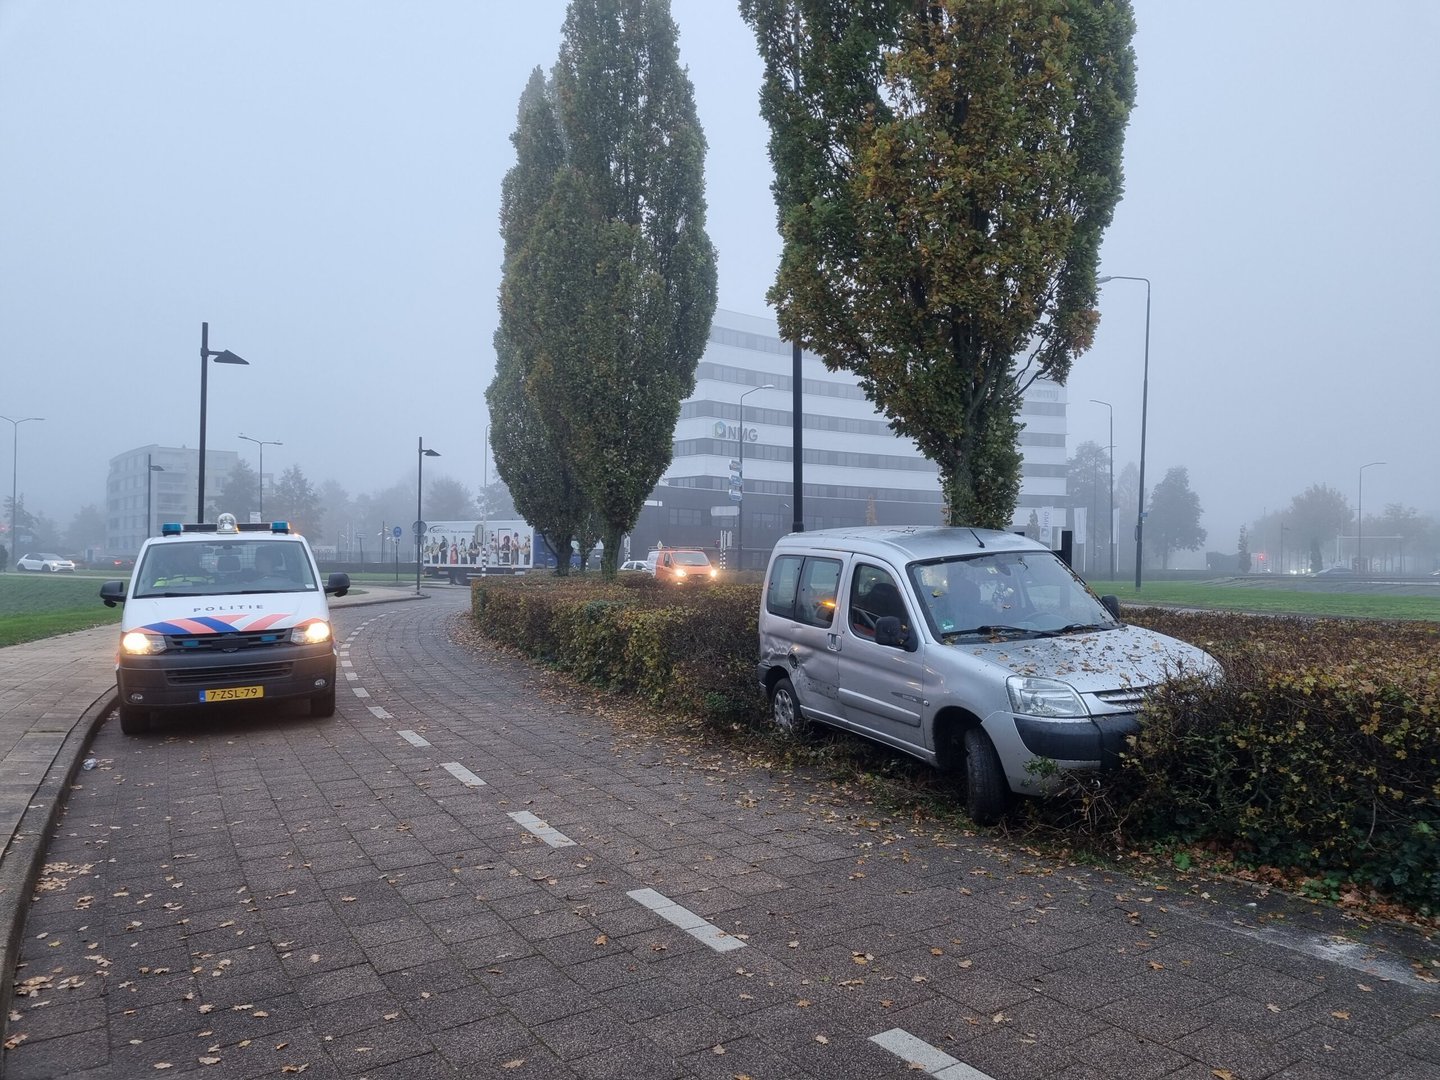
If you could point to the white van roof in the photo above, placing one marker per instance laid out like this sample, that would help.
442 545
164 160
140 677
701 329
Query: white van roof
910 543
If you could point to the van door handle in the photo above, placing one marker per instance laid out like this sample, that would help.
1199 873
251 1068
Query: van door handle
832 642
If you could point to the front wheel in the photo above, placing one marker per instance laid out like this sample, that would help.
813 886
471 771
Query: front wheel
785 709
134 721
323 705
986 790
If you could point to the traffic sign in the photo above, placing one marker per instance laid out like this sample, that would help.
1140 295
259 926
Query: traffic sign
397 532
419 528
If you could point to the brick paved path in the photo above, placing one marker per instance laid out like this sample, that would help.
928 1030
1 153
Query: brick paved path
463 875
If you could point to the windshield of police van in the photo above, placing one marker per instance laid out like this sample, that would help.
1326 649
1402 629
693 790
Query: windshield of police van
223 568
1015 594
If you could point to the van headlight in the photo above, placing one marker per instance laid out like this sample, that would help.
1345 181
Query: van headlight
1043 697
313 632
138 643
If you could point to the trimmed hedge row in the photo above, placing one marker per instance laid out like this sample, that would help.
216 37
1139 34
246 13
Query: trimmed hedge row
687 649
1319 752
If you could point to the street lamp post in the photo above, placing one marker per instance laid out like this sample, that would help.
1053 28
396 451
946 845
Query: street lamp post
150 470
224 356
740 501
1110 525
262 443
14 479
1360 519
419 517
1144 403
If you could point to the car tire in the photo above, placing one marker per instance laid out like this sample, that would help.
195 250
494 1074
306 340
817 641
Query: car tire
323 705
986 790
785 711
134 721
54 569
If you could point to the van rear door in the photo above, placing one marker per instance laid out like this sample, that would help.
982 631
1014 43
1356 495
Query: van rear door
799 631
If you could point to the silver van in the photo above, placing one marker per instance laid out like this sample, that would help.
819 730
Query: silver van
968 648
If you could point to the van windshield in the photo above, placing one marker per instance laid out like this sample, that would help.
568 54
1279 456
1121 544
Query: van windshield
1006 594
692 558
224 568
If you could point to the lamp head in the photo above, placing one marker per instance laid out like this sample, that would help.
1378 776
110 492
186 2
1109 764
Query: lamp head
430 453
225 356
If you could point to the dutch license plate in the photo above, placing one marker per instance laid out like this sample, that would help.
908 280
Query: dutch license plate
233 693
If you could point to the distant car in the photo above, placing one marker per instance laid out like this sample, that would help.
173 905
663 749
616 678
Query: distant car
1334 571
633 564
113 562
45 561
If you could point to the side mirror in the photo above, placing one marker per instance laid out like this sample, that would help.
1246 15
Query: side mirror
113 592
1112 605
338 585
888 631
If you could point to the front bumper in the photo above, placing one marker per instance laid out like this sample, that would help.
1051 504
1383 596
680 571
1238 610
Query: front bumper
174 680
1093 742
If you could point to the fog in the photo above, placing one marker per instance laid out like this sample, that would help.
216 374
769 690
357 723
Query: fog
320 182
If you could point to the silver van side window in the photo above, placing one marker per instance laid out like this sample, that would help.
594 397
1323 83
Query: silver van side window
784 581
803 589
874 595
819 589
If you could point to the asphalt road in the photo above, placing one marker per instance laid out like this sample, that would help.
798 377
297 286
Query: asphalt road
466 873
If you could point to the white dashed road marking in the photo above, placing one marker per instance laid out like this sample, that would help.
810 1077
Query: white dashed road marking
533 824
935 1062
461 773
360 691
380 714
686 920
352 675
412 738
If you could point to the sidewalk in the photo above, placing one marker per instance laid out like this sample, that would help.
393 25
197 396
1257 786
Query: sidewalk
53 695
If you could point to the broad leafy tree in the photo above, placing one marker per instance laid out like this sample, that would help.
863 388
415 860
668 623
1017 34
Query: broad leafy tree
1318 515
944 172
1173 523
86 529
446 499
1088 481
239 493
618 270
295 500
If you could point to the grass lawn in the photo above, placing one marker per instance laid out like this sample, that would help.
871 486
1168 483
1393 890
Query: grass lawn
35 606
1219 596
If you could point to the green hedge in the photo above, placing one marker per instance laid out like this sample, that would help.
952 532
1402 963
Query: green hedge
1320 751
691 648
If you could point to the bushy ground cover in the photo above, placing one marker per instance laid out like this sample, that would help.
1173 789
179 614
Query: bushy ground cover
1316 761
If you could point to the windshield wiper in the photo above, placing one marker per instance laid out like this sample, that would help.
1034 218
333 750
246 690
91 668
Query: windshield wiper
1082 627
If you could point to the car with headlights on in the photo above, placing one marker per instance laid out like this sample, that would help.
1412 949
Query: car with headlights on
223 613
46 561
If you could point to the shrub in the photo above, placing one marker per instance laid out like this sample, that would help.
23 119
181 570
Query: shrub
1319 751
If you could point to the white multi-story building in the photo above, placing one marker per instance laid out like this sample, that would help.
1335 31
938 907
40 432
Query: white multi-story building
855 468
150 485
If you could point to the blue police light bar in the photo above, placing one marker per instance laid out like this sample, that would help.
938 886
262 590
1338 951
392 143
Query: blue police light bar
170 528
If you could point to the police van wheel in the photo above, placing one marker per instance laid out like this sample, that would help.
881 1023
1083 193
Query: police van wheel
986 790
134 721
785 709
323 705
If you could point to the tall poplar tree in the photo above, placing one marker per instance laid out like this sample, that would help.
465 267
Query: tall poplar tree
529 454
619 270
944 172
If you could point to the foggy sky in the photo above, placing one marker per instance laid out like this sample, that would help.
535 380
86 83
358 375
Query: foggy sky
320 182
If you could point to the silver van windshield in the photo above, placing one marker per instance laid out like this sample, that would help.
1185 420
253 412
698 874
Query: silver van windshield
224 567
1014 594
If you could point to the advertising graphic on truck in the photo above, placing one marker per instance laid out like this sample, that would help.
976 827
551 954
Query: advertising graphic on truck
457 549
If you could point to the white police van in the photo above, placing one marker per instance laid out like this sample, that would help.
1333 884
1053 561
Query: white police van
971 649
222 613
